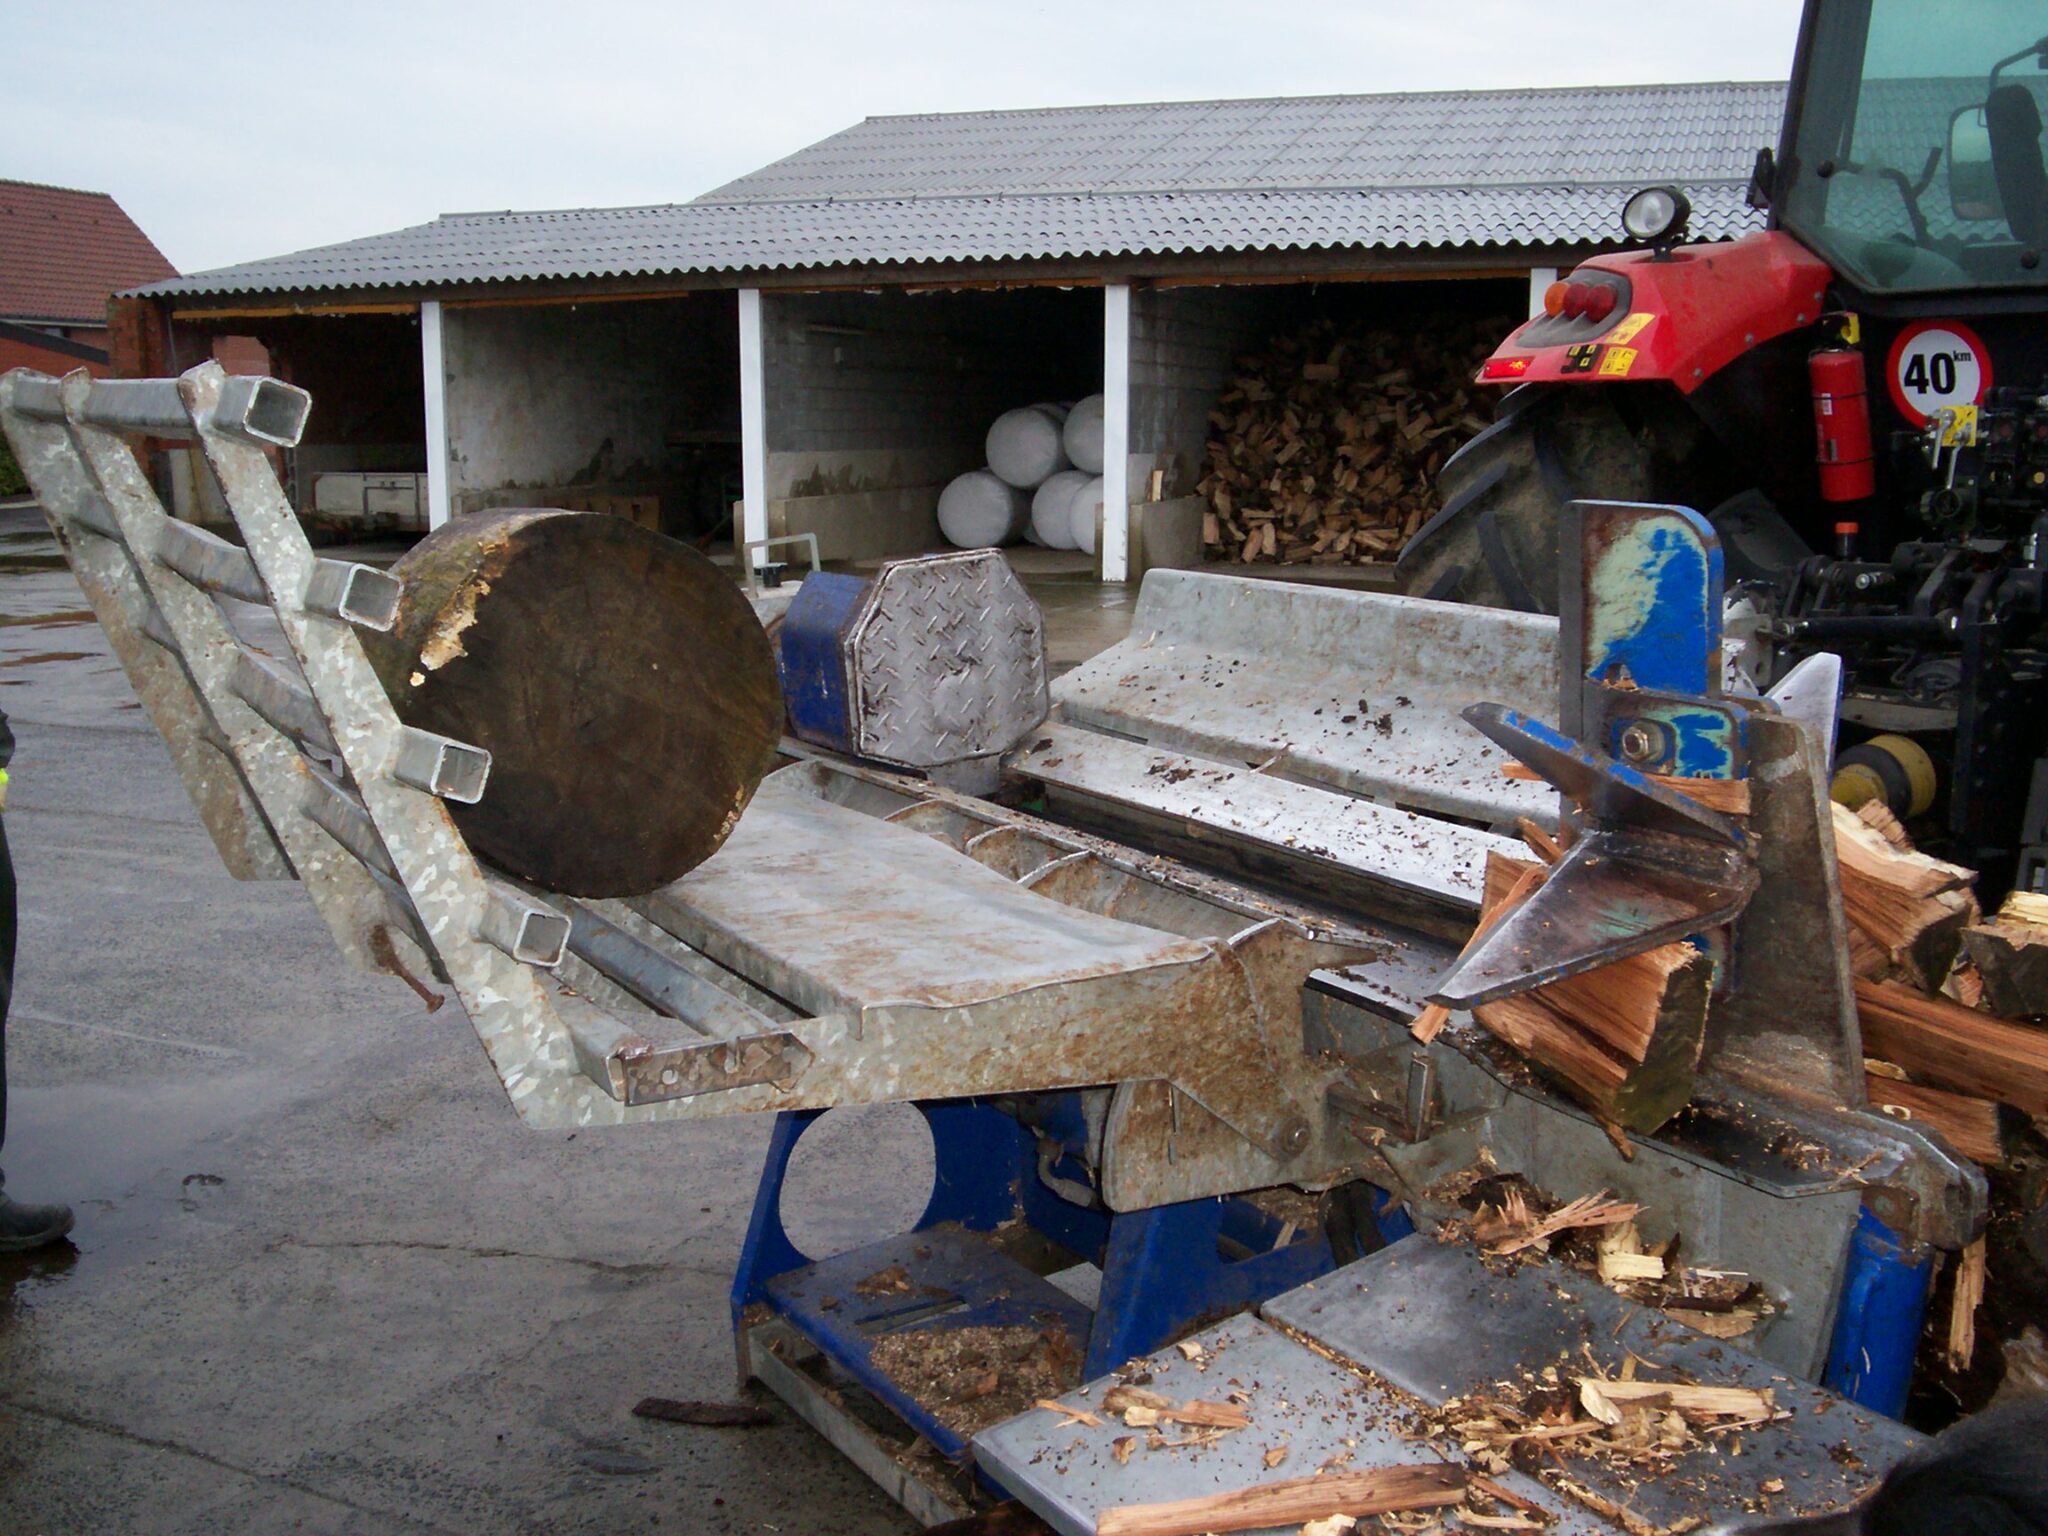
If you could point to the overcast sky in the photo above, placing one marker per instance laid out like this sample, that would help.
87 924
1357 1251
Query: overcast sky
232 130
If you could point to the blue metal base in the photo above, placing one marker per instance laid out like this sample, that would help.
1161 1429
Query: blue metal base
1165 1271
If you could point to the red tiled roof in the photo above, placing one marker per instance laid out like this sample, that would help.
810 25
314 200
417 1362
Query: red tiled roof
63 252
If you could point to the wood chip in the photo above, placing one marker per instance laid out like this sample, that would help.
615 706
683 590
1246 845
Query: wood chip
1606 1400
1517 1227
893 1281
1962 1317
1068 1415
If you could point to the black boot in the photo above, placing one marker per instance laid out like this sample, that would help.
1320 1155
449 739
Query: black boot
25 1227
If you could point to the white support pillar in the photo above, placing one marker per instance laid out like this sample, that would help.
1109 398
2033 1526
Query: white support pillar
753 522
434 379
1540 278
1116 432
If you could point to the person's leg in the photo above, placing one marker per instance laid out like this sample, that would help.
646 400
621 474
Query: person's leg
21 1226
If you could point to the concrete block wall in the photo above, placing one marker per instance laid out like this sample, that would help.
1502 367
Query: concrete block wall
876 400
590 395
1184 343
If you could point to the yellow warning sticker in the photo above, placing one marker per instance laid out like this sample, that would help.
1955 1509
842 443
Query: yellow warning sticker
1962 427
1617 362
1630 329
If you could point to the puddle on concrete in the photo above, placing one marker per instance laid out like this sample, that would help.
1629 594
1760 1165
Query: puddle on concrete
133 1163
25 1276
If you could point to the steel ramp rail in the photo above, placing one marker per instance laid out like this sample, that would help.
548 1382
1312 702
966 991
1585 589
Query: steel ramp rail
302 771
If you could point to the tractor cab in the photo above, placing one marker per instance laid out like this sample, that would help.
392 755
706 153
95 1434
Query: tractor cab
1911 159
1856 396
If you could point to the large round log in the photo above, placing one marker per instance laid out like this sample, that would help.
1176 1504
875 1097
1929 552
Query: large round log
622 685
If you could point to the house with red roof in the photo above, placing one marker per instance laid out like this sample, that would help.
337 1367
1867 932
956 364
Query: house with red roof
62 254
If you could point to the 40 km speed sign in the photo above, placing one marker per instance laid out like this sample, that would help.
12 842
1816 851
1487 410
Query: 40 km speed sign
1936 363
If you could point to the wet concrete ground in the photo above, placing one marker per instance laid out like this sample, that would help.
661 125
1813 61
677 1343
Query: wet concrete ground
322 1280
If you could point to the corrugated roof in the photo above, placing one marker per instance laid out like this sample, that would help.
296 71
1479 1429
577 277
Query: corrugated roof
1582 135
1479 169
62 252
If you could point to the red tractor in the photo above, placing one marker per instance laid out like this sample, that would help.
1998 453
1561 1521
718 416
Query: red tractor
1895 314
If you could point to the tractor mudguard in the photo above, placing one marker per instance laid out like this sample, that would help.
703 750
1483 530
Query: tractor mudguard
1680 318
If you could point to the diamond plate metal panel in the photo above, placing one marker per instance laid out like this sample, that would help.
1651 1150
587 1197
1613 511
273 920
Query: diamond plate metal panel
948 661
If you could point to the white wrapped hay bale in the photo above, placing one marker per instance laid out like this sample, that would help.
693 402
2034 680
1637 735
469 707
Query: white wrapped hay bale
978 510
1082 435
1024 447
1052 509
1085 511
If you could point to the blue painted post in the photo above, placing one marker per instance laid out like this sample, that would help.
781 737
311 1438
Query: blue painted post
811 657
1877 1327
1163 1275
768 1252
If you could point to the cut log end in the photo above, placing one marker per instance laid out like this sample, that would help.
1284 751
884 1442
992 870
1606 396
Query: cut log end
623 686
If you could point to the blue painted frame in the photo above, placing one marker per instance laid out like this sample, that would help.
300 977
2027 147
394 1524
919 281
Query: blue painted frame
1163 1269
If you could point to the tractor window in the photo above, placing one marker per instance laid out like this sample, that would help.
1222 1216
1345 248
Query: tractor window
1908 170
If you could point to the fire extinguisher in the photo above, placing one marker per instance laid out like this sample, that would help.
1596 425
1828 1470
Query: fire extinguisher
1841 424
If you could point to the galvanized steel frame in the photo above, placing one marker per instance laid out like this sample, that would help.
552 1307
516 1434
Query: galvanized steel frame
1213 1090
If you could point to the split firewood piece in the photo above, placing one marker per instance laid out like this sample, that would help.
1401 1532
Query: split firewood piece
1429 1023
1911 907
2010 954
1955 1047
1962 1316
1381 1491
1625 1038
1608 1400
1728 796
1970 1124
1200 1414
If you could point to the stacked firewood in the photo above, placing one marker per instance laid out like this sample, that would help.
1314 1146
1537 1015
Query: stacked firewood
1325 448
1949 1002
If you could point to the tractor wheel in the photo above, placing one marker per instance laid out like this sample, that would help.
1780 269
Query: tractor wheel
1504 493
